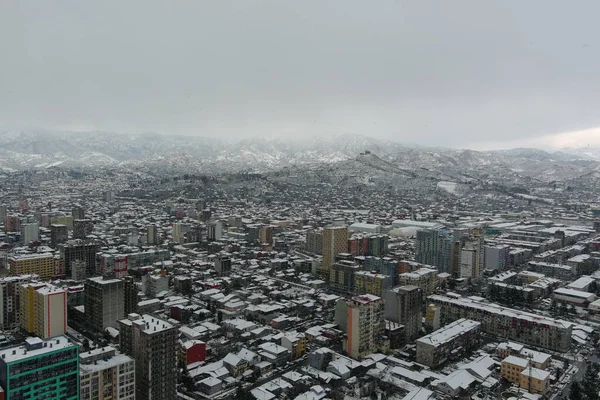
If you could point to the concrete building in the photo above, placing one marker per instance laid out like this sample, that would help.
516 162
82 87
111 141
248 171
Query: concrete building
153 284
449 342
106 375
314 242
365 325
103 303
342 277
78 270
130 295
79 250
367 282
528 328
12 223
10 300
153 344
42 265
215 231
43 309
497 257
152 234
335 241
404 305
435 247
30 233
40 369
58 234
424 278
223 264
433 316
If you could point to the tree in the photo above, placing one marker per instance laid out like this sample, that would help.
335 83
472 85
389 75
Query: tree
575 393
589 385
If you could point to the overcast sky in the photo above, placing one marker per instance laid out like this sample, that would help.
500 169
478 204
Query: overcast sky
450 73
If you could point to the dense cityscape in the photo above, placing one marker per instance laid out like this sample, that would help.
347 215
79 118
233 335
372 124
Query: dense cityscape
126 285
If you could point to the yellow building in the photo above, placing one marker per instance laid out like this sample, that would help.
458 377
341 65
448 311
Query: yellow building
365 326
367 282
512 367
335 241
295 343
43 309
425 278
535 380
32 264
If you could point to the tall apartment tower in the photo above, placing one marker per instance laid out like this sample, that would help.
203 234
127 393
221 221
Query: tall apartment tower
223 264
12 223
153 343
335 241
152 234
364 324
104 374
30 233
471 256
40 369
43 309
314 242
104 304
215 231
3 212
435 247
10 300
404 305
59 234
131 295
79 250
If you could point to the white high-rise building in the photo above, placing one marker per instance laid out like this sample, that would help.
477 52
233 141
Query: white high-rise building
30 232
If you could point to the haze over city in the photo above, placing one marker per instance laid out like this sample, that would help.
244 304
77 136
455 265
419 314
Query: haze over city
463 74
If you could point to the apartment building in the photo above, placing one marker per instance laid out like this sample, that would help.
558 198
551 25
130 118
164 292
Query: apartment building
10 300
41 369
79 250
435 247
424 278
104 303
366 282
106 375
404 305
153 344
528 328
42 265
342 277
364 323
335 241
448 342
43 309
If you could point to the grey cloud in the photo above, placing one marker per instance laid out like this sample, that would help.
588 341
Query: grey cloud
452 73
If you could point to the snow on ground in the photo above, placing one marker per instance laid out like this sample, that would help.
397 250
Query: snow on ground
449 187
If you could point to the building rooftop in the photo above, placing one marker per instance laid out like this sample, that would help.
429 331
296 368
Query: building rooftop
449 332
101 280
147 323
521 362
12 354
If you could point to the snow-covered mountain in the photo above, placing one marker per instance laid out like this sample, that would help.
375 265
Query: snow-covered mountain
343 156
